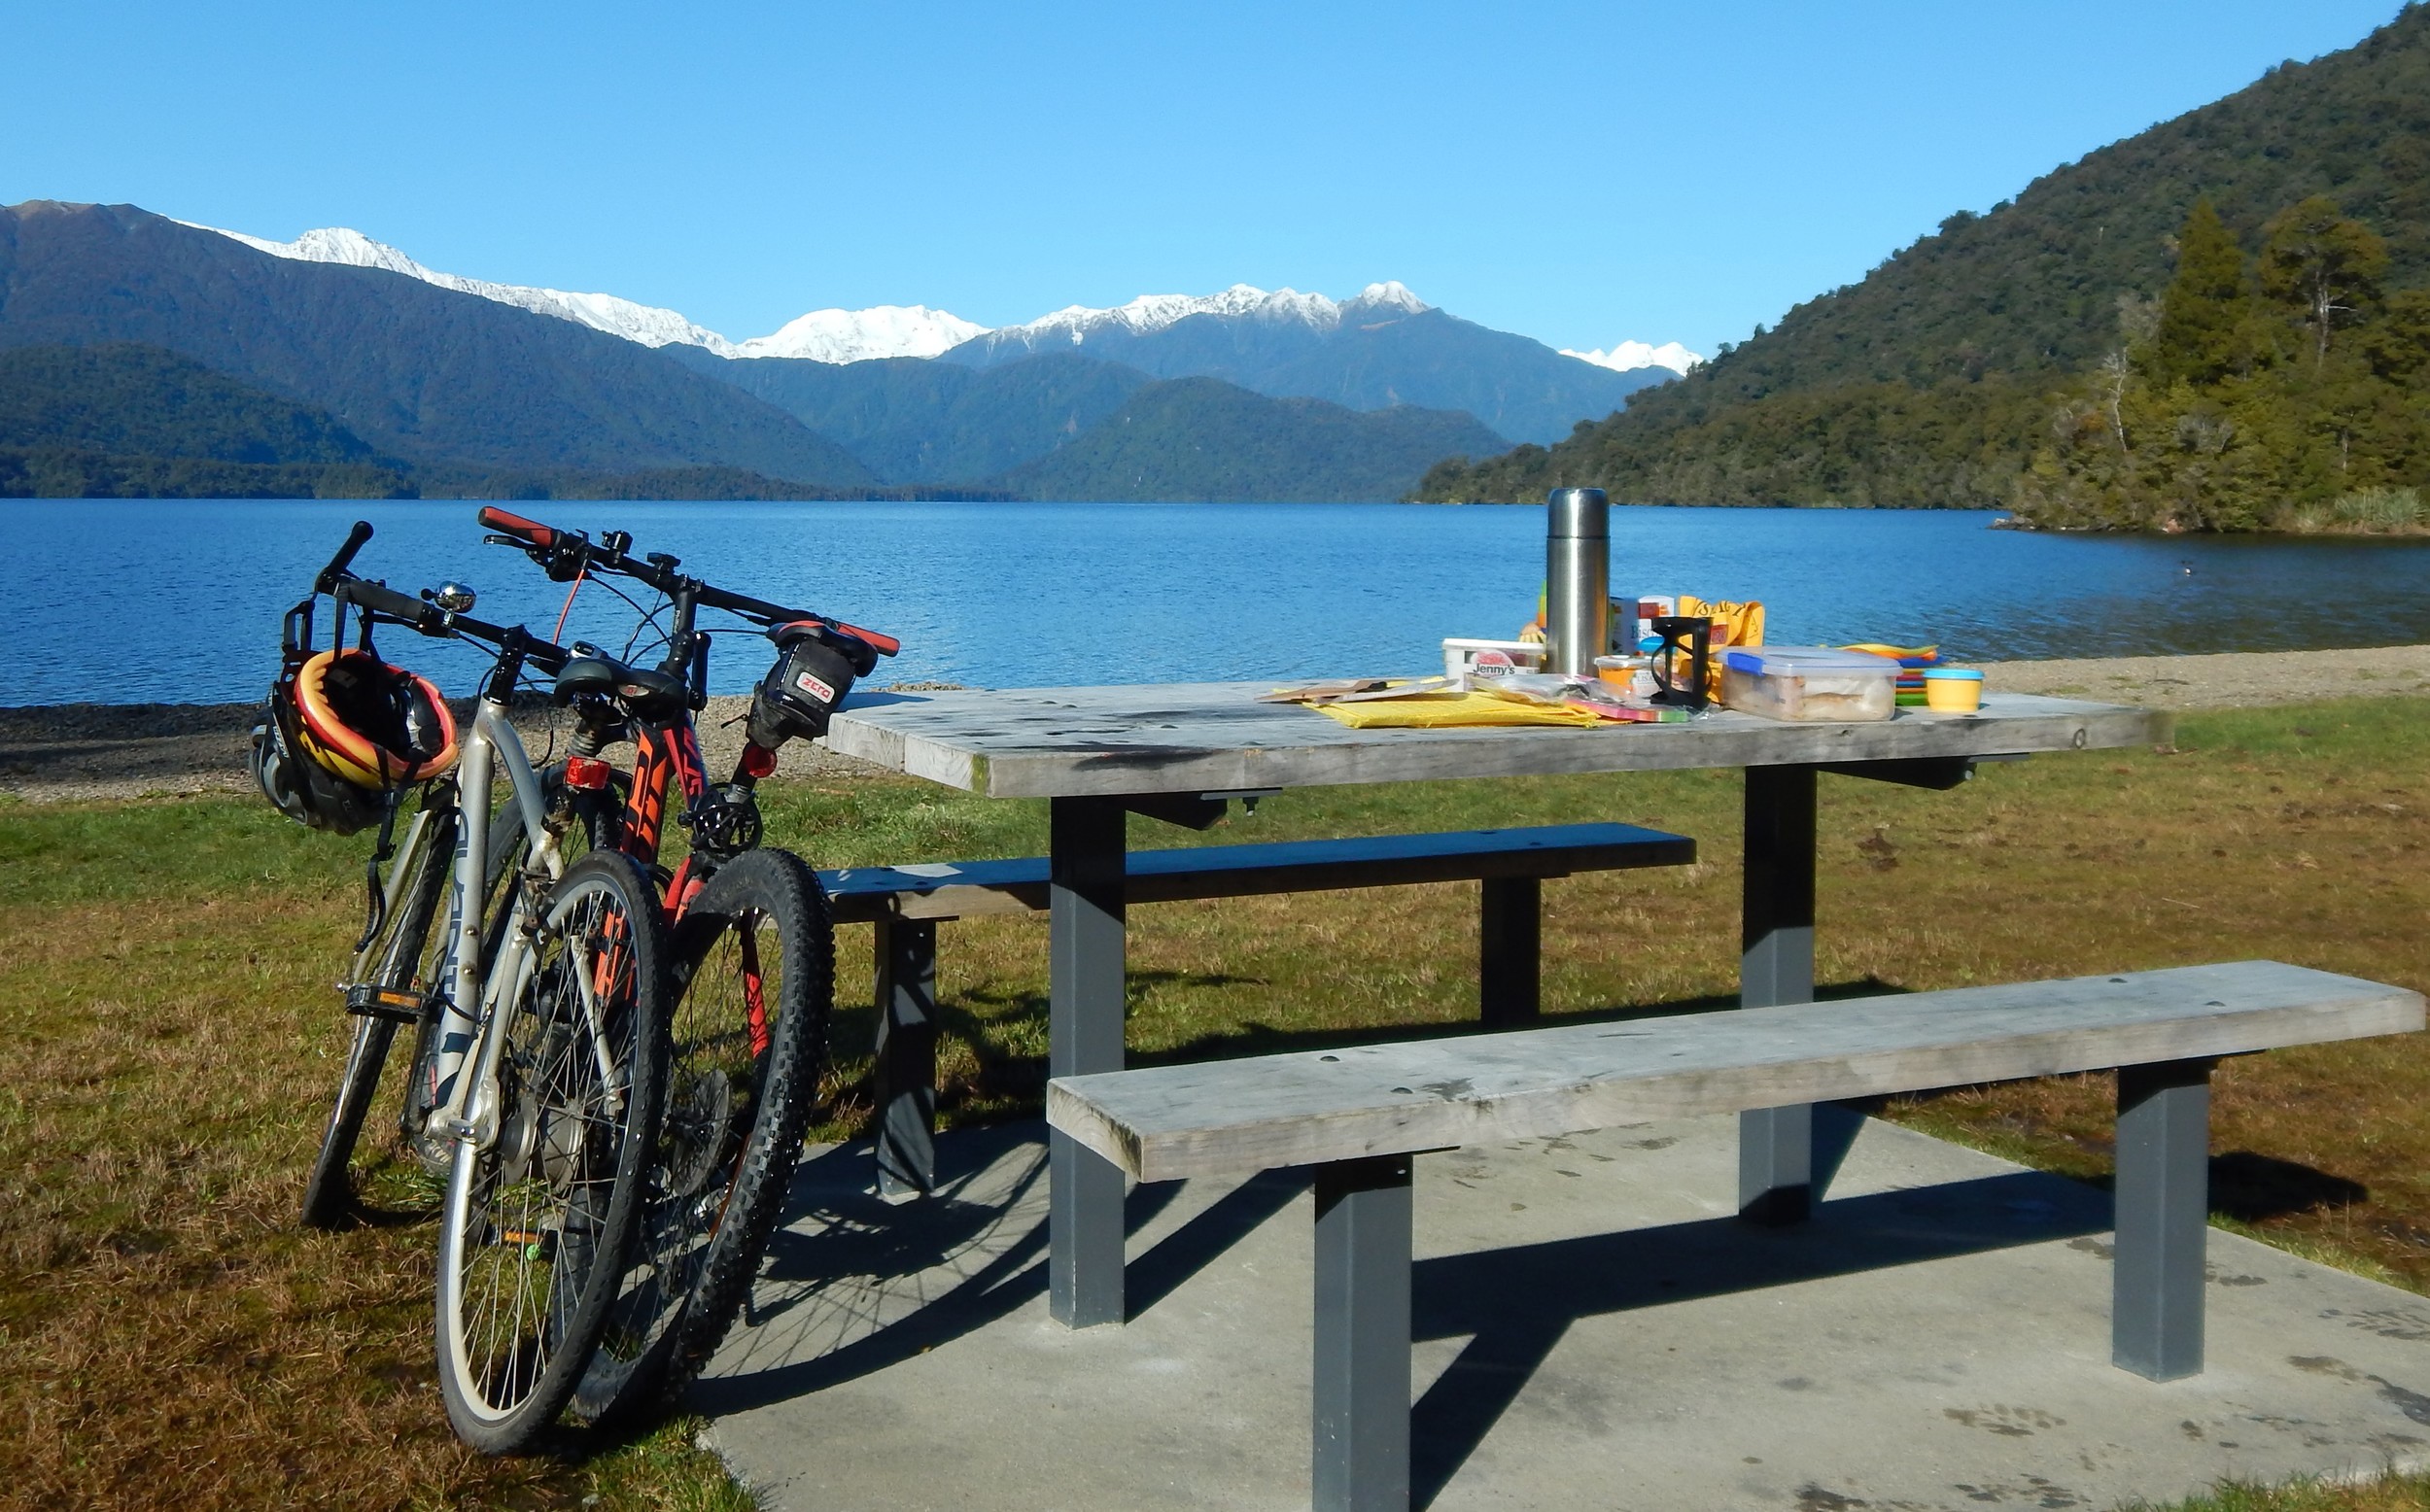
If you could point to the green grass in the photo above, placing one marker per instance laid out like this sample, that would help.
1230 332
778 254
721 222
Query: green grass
164 996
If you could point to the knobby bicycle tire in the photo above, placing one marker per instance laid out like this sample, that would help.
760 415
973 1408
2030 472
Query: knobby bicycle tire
739 1091
393 960
539 1224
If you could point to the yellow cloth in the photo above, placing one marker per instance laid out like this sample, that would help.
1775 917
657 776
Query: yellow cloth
1895 653
1451 710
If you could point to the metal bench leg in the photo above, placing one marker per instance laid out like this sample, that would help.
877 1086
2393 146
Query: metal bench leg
1084 1035
1362 1419
2163 1203
1776 932
1509 965
907 1056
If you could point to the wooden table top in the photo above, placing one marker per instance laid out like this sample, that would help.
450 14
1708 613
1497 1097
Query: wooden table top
1216 737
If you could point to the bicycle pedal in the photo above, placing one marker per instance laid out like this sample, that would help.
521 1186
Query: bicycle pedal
372 1001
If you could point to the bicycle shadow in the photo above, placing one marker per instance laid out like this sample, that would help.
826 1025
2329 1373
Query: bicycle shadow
854 1284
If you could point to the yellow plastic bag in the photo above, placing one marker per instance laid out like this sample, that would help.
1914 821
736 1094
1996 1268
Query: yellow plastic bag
1453 710
1733 624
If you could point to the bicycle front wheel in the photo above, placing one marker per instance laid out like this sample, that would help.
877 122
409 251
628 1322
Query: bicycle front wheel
540 1210
754 980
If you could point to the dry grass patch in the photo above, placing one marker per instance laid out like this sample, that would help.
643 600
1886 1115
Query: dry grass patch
164 968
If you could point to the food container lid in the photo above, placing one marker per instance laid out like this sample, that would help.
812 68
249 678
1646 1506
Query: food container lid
1807 661
1953 674
1534 648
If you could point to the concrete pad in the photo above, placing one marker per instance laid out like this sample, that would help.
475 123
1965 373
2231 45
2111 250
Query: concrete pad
1594 1328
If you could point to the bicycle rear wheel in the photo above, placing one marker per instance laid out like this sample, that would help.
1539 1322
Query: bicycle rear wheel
754 980
540 1216
395 966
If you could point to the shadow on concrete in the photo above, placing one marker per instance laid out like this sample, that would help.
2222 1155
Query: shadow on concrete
854 1235
1513 1305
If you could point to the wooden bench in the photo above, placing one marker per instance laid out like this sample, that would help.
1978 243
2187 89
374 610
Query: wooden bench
906 904
1359 1115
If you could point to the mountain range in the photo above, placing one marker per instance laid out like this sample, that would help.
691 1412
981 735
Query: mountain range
1939 378
1384 347
483 386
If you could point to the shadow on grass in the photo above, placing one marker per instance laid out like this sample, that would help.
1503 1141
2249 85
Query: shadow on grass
2254 1188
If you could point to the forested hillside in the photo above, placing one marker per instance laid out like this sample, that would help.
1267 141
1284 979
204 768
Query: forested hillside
1936 379
914 420
1199 439
141 422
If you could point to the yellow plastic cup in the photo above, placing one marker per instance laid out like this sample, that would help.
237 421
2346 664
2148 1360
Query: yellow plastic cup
1952 690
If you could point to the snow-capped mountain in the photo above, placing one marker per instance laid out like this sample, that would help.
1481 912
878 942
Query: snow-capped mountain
1627 357
1149 313
858 336
646 324
823 336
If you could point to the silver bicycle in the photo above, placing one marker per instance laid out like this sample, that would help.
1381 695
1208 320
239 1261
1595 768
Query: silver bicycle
540 1010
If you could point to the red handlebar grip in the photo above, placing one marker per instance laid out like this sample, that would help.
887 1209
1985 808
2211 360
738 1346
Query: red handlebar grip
532 531
886 644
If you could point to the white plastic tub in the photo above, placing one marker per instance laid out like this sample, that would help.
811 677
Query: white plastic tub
1813 684
1460 663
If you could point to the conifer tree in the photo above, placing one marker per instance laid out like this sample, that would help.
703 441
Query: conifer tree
2203 334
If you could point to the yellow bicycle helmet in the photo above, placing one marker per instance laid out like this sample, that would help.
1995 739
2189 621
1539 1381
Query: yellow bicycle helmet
344 730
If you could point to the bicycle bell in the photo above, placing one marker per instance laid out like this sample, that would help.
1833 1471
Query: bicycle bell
455 598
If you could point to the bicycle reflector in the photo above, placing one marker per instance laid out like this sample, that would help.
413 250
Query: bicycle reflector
587 772
816 665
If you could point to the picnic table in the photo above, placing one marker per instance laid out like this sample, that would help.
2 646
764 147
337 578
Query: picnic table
1180 751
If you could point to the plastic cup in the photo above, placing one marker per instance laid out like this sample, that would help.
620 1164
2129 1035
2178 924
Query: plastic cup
1952 690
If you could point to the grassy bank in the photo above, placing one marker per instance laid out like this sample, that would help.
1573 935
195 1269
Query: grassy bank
163 997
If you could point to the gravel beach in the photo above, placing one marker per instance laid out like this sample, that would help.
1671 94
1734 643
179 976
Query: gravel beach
78 751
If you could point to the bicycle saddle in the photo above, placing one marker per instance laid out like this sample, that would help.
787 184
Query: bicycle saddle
648 693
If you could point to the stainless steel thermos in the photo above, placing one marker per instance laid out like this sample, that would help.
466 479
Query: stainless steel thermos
1577 579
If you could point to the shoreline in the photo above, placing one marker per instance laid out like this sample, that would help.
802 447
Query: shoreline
72 752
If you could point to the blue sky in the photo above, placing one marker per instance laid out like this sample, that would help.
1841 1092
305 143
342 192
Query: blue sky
1580 173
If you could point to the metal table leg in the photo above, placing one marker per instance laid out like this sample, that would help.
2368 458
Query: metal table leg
907 1056
1084 1035
2163 1206
1776 932
1509 954
1361 1460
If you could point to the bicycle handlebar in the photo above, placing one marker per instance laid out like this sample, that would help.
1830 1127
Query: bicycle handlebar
428 619
531 530
337 570
568 551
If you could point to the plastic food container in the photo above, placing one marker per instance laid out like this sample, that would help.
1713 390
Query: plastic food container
1631 675
1952 690
1809 683
1460 659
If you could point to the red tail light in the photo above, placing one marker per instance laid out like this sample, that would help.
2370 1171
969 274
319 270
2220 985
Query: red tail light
758 761
587 772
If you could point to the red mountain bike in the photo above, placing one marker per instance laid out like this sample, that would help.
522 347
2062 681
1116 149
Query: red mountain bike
752 946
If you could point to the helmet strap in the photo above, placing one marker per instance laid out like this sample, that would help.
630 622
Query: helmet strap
375 897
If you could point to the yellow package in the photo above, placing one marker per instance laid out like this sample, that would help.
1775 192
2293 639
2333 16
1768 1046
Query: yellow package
1451 711
1733 624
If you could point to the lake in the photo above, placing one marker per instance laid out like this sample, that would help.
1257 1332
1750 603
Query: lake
140 601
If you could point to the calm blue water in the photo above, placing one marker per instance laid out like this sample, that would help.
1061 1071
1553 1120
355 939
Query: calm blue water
156 600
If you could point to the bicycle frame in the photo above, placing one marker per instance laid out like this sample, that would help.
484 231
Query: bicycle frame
468 1110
